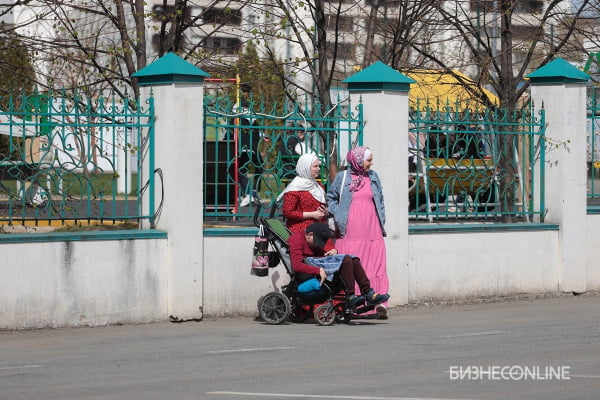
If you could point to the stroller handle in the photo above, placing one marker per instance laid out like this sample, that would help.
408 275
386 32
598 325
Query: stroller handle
259 208
256 214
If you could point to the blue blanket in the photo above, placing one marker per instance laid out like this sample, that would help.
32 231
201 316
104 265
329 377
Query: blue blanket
331 264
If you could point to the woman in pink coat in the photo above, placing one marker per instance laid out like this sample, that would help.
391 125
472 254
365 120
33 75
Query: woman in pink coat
356 201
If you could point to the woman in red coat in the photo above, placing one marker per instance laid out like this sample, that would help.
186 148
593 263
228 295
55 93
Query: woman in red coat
304 198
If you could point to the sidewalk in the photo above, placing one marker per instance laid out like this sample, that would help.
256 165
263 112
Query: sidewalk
418 353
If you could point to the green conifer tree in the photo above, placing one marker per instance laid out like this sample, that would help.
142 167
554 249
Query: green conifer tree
17 78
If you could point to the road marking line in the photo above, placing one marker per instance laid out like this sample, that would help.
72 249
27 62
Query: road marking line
248 350
585 376
19 367
319 396
475 334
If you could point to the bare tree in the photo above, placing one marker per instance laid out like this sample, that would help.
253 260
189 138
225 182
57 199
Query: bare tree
393 27
95 45
496 42
102 43
306 34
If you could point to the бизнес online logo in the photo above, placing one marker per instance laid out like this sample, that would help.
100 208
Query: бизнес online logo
509 373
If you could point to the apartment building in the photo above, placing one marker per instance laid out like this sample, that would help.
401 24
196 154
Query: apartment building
355 32
359 32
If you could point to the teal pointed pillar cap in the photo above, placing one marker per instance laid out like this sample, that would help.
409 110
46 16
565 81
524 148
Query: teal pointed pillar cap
168 69
377 77
558 71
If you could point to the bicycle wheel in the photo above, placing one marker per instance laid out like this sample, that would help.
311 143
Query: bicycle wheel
325 314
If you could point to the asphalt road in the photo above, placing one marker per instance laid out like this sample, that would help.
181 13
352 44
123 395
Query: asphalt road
527 349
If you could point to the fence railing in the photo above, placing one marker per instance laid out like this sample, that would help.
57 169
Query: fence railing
476 165
250 150
71 158
593 149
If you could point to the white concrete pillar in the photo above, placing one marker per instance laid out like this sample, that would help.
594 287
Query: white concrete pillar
561 89
178 99
384 94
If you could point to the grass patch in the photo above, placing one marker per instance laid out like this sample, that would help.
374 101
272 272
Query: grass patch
77 185
98 227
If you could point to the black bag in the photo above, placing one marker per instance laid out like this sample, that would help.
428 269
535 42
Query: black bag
260 254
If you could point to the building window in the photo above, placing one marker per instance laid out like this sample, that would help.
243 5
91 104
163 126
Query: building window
385 26
222 16
384 3
167 44
483 6
159 12
218 16
344 24
529 6
167 13
525 32
222 45
345 51
521 6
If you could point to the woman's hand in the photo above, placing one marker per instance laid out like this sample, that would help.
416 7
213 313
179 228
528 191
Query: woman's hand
322 274
319 214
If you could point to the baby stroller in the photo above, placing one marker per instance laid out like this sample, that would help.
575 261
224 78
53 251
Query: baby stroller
327 305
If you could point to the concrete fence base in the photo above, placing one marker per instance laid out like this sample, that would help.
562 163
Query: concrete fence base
83 282
126 281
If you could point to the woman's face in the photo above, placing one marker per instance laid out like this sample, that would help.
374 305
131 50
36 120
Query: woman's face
315 168
367 163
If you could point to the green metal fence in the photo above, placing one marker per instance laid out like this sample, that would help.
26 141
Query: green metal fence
593 149
251 149
476 165
68 158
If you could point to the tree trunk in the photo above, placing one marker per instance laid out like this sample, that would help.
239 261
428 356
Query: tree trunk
507 159
371 23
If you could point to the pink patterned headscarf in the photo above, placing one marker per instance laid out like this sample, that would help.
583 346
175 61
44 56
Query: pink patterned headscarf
356 160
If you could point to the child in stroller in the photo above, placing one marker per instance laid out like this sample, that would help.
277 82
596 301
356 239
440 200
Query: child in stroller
328 300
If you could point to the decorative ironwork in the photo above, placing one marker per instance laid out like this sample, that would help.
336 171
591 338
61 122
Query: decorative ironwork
476 164
251 149
593 149
72 158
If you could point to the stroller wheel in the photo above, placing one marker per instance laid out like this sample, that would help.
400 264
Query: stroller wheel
274 308
325 314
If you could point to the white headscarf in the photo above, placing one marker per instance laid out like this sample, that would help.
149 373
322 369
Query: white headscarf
304 181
